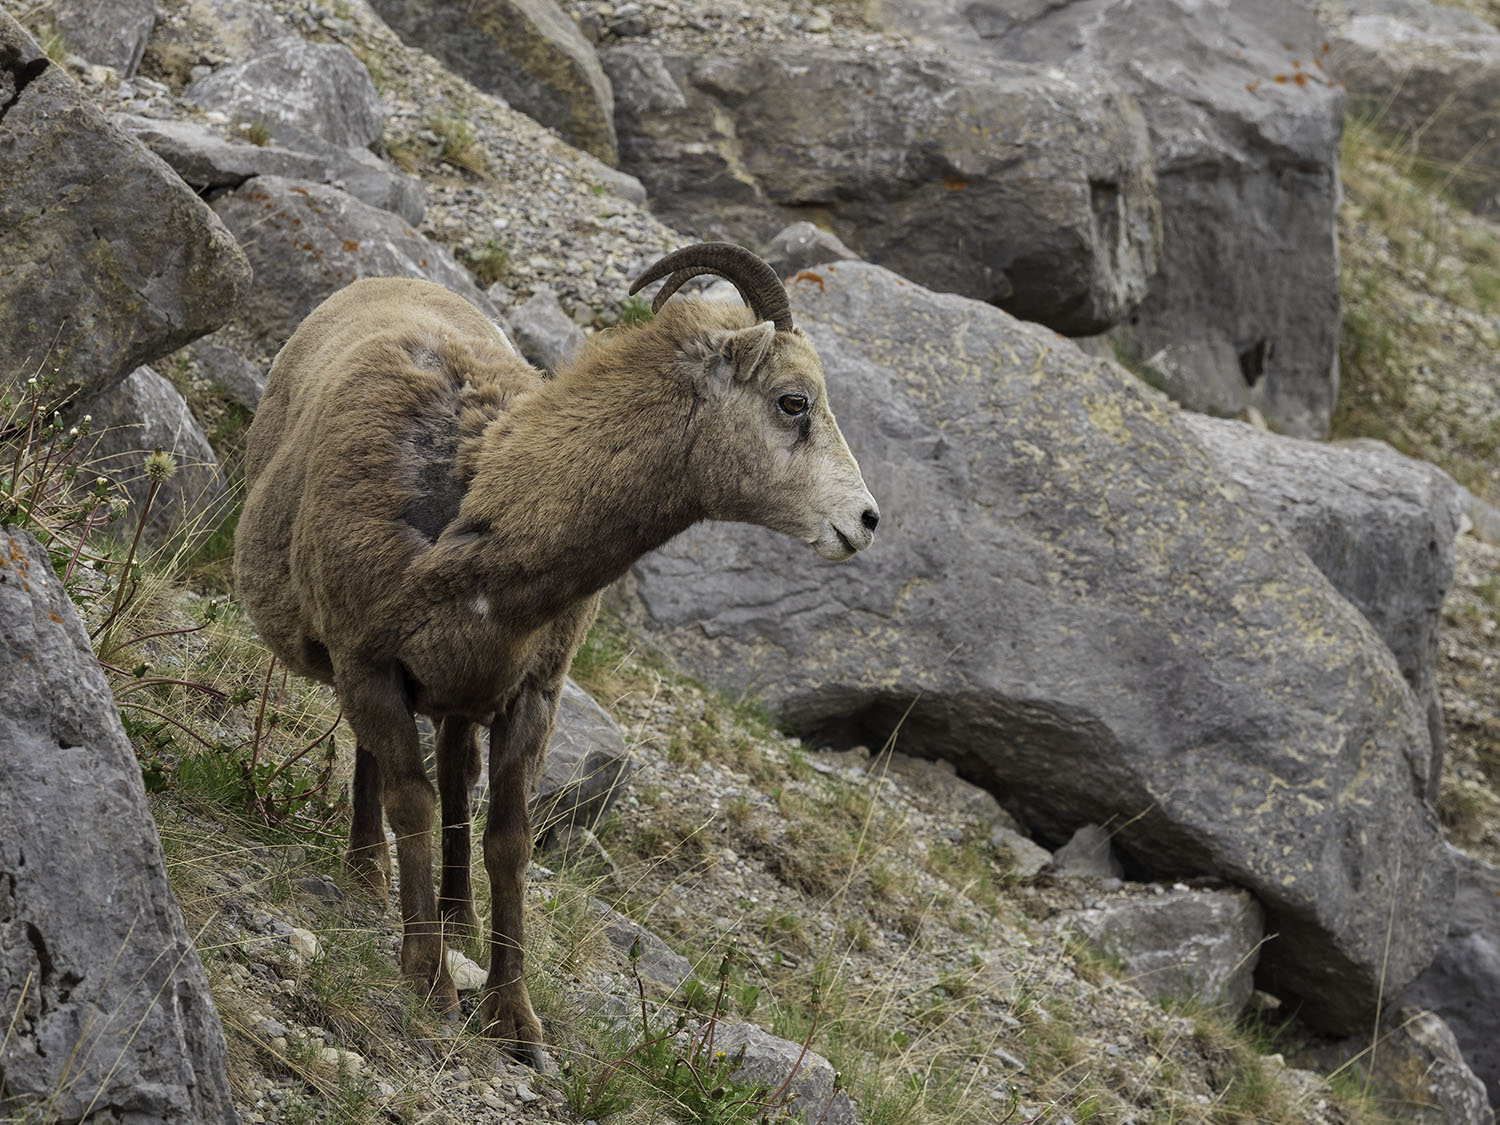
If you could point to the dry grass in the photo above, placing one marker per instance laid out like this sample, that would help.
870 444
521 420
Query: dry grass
1420 288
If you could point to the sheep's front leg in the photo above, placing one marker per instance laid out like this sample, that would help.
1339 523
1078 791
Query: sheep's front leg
369 861
378 711
517 740
457 769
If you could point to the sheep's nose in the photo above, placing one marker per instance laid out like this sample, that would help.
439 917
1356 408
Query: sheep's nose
870 519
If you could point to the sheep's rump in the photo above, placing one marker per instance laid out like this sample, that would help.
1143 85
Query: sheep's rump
352 462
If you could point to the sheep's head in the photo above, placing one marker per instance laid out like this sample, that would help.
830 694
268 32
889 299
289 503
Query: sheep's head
768 449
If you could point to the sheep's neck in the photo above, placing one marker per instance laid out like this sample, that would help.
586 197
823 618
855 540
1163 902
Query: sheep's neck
580 480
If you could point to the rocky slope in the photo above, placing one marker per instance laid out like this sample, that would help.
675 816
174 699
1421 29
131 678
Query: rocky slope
947 966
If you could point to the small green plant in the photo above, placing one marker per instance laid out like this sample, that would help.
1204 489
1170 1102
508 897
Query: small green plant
458 144
258 132
633 311
681 1061
55 46
39 486
490 264
1151 376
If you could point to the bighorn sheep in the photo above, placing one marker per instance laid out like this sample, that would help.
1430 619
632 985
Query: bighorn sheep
429 522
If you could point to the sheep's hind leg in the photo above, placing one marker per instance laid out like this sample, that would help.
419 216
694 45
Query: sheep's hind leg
516 740
383 724
457 769
369 860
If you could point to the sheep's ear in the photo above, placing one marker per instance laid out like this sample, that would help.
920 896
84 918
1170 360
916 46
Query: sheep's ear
737 355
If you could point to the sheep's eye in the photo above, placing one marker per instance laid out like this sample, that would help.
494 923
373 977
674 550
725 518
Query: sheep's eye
792 404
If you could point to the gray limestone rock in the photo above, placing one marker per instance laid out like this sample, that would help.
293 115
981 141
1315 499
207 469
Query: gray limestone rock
1462 985
1067 600
938 783
147 266
657 961
109 1012
108 32
1245 127
142 414
621 183
544 333
586 769
1379 526
228 371
298 88
1020 185
212 32
307 240
1183 944
1023 858
1414 1068
1429 73
802 246
769 1060
529 52
1087 855
205 161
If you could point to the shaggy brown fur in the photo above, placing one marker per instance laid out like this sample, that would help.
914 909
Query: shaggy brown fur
429 522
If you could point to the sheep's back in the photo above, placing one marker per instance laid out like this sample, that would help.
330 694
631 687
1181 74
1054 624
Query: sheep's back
351 460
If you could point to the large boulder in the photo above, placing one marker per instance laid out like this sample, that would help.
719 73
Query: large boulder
1380 527
307 240
814 1089
803 245
1463 982
545 334
108 32
1245 126
1182 944
298 88
108 1010
110 260
530 52
192 33
587 766
1019 185
1069 601
1430 74
1413 1070
143 414
207 161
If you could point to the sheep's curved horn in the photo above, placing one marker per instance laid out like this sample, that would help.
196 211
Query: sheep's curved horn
757 282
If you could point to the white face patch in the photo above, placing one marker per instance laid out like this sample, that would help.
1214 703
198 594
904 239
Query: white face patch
480 605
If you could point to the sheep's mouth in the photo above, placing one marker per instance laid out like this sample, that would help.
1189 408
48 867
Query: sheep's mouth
833 545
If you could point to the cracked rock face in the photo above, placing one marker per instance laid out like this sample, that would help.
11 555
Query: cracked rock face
113 34
1245 124
307 240
1083 615
297 89
112 1015
146 265
1023 186
1379 526
527 51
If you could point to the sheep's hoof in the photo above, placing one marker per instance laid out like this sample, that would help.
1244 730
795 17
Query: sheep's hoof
444 999
370 875
509 1018
438 988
